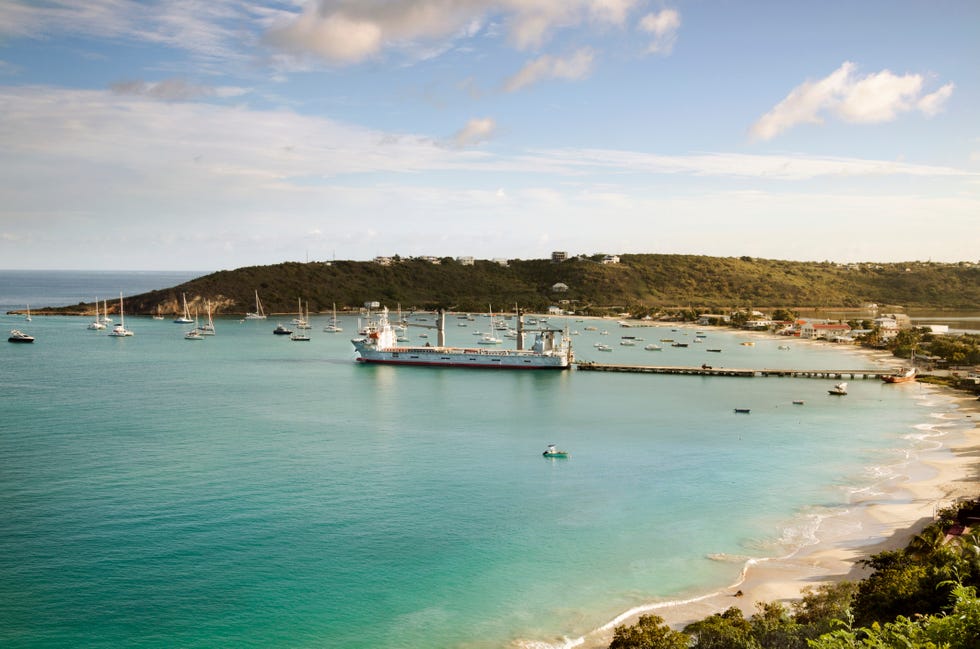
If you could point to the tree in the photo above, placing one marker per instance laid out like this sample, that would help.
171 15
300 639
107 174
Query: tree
649 632
728 630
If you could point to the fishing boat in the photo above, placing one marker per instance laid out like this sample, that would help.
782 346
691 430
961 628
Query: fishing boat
377 343
553 451
838 390
18 336
259 313
120 330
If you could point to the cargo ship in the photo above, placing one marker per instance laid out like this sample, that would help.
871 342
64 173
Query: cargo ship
377 342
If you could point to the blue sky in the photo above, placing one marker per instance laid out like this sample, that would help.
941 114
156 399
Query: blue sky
213 134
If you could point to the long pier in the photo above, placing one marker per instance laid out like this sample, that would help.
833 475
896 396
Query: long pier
706 370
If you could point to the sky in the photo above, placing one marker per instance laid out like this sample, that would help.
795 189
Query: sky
216 134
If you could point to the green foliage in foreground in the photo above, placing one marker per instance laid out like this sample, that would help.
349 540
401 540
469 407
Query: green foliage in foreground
924 596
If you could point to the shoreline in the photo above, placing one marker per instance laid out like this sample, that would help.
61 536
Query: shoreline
942 469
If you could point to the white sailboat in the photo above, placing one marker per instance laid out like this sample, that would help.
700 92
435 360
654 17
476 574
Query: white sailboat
259 314
333 327
186 317
105 313
207 329
298 336
302 321
195 333
120 329
489 338
96 324
28 316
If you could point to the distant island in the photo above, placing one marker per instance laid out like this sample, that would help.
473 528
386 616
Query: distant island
641 284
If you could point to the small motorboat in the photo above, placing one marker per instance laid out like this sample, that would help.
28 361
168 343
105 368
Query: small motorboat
742 411
281 330
18 336
798 402
553 451
838 390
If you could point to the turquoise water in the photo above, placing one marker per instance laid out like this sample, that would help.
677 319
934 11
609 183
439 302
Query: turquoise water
252 491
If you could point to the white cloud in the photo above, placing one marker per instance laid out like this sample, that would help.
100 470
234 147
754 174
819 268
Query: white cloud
174 90
577 66
350 31
874 98
932 104
663 27
225 178
475 132
734 165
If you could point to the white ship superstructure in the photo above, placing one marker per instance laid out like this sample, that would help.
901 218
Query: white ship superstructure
378 343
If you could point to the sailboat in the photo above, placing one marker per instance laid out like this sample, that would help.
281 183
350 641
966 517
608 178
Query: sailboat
28 316
195 333
489 338
299 336
120 329
186 318
96 324
207 329
259 314
105 313
303 321
333 327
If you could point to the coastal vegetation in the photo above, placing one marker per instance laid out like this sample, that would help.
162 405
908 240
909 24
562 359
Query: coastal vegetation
639 284
924 595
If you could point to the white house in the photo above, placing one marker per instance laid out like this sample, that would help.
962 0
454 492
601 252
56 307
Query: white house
829 331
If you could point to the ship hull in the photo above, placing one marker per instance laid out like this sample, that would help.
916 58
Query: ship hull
436 357
897 379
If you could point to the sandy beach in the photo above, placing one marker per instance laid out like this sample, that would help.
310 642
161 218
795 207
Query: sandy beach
942 471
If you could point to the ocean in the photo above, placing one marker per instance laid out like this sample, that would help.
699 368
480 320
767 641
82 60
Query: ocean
251 491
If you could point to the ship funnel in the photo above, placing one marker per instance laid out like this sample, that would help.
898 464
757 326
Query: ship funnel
441 324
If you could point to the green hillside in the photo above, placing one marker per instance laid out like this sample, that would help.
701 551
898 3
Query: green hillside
639 283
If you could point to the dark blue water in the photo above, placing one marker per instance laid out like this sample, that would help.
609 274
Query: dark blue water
19 288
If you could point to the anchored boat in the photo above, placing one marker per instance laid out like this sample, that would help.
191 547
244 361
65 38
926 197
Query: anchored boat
378 343
552 451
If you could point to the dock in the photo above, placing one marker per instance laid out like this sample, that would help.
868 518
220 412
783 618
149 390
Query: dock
736 372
